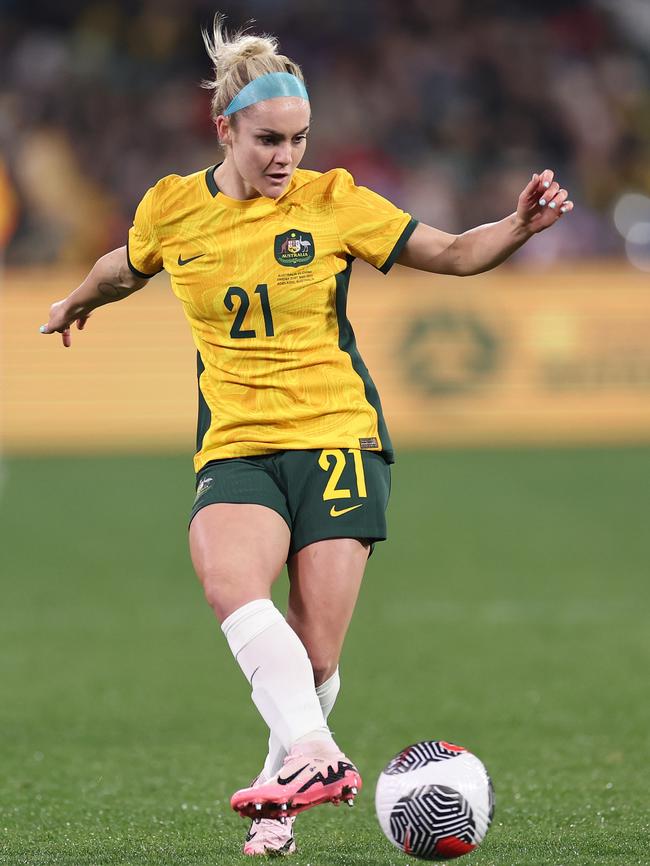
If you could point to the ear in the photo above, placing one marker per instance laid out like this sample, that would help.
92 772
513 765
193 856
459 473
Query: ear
222 125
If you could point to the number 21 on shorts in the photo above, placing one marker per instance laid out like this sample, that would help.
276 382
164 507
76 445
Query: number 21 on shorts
334 459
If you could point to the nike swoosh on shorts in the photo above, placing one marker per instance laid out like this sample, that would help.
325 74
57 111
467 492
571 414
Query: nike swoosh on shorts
335 513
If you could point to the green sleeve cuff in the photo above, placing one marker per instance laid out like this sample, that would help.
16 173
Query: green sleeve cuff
399 246
138 273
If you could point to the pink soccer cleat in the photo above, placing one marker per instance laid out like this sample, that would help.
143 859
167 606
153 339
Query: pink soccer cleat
270 836
312 774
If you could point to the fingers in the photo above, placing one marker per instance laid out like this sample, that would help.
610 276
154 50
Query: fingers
542 202
561 202
538 187
551 194
540 183
546 178
64 330
531 190
557 199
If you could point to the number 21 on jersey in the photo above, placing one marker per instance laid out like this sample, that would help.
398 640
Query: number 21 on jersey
237 332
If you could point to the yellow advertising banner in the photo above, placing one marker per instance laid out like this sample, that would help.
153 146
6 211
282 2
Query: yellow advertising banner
513 356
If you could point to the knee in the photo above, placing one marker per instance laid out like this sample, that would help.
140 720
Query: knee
227 591
323 653
211 590
323 668
222 589
216 592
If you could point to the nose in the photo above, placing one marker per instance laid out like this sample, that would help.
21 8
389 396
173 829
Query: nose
283 153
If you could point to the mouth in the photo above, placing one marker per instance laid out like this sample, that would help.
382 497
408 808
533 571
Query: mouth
278 177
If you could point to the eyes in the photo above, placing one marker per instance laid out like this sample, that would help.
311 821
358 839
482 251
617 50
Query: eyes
274 140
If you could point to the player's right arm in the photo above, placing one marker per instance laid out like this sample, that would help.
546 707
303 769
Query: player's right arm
111 279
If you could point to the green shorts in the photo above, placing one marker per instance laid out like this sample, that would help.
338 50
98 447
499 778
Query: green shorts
332 493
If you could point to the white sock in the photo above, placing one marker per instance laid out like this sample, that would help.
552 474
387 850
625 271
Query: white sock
275 663
326 693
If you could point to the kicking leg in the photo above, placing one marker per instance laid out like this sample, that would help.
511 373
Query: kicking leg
325 580
238 552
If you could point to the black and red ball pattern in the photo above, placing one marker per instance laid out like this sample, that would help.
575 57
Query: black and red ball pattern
421 754
433 822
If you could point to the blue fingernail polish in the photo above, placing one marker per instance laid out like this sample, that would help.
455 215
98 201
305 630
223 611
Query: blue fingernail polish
546 184
542 201
42 329
552 204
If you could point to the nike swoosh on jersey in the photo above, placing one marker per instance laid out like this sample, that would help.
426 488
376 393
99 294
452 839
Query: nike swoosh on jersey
292 777
182 261
335 513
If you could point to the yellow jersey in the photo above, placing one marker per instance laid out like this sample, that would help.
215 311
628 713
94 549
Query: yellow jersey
264 285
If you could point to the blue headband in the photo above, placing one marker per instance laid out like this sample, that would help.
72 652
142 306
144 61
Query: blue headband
267 87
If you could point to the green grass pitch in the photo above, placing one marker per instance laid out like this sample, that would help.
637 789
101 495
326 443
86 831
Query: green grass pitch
508 612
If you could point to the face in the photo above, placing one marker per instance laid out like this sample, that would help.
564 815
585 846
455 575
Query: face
267 143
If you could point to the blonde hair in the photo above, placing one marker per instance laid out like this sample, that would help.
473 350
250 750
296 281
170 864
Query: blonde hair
238 59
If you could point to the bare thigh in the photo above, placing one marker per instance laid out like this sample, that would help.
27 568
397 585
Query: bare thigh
237 551
325 580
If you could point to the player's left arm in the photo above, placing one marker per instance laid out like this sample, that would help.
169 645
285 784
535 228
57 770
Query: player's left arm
111 279
541 204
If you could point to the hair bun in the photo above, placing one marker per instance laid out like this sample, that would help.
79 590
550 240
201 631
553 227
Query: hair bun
252 46
229 54
237 59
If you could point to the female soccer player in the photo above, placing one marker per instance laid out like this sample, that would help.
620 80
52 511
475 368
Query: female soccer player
293 452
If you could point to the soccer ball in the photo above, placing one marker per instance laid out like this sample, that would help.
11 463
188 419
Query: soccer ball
435 801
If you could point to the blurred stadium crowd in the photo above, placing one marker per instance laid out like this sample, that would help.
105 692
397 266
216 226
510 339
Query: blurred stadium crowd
444 106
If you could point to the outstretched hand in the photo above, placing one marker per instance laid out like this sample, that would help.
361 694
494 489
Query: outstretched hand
542 202
61 320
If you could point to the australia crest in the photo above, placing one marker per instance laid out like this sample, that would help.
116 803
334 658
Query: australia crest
294 248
